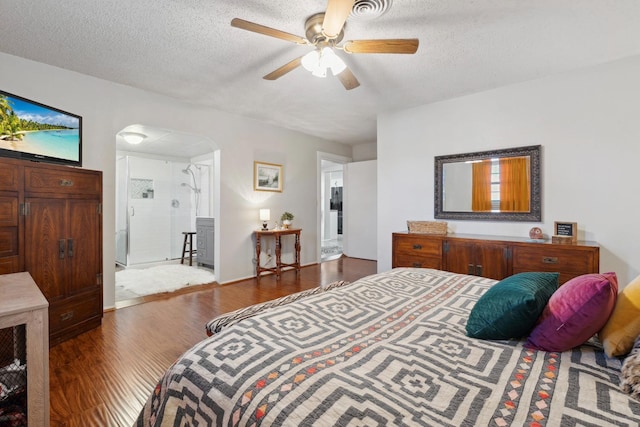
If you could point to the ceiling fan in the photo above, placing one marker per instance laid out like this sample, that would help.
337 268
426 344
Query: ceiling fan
324 31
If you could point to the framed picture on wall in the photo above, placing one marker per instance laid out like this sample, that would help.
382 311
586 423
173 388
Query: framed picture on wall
267 176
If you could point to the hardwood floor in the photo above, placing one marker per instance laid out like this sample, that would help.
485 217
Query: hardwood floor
103 377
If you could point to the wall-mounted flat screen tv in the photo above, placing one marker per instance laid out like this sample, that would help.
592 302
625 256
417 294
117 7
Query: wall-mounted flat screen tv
30 130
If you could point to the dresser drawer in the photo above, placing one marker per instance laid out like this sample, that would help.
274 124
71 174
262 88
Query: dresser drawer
61 181
417 262
74 310
412 246
552 259
568 261
417 251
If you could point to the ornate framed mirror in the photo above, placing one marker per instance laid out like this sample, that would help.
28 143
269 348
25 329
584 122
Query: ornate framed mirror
498 185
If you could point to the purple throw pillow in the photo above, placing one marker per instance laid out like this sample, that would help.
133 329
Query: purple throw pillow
575 312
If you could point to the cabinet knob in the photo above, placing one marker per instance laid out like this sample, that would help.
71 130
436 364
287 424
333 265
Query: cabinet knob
417 246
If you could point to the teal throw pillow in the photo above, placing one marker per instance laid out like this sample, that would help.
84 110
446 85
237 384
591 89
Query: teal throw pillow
511 307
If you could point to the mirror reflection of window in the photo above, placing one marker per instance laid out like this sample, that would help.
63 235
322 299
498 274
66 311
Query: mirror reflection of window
501 184
514 184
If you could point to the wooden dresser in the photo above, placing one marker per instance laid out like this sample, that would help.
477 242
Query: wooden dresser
51 226
495 257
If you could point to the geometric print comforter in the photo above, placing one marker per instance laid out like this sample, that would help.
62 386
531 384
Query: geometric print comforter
388 350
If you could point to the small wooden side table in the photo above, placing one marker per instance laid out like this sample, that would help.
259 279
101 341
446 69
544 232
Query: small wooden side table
277 234
22 303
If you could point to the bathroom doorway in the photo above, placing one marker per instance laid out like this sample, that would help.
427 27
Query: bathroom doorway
165 189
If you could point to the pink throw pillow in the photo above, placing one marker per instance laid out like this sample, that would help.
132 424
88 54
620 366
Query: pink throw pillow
575 312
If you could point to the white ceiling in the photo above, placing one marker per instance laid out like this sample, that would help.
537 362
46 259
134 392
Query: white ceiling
187 49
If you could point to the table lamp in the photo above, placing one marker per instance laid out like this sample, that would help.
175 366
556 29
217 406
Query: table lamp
265 215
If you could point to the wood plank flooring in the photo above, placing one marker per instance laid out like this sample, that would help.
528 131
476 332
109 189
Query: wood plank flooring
104 376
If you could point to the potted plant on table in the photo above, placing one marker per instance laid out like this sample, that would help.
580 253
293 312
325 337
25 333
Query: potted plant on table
286 219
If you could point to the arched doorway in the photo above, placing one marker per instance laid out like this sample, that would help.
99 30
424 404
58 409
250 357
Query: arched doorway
167 185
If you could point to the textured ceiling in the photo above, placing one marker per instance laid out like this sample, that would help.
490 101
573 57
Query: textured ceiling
187 49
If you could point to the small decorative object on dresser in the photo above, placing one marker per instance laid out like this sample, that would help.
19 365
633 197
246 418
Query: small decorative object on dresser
427 227
536 234
565 232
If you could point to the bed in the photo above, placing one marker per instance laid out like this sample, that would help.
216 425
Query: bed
388 349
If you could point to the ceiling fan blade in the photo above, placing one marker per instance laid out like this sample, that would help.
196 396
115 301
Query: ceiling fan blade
348 80
381 46
292 65
261 29
334 18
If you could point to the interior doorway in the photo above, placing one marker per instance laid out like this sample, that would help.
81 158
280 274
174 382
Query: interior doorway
167 187
332 230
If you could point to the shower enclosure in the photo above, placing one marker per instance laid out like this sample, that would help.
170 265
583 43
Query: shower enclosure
157 200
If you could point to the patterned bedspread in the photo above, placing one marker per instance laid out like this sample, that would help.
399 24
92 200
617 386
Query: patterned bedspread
389 349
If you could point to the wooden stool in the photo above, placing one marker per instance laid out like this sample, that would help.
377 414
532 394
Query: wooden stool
188 239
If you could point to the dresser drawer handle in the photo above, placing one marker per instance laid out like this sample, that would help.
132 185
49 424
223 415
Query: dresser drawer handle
417 264
66 183
417 246
66 316
550 259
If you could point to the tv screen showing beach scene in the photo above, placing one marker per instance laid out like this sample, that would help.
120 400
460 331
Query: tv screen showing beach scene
34 131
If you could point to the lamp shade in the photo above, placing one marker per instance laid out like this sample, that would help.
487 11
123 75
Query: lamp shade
265 214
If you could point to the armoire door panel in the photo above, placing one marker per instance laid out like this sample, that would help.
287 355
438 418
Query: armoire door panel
8 241
10 265
44 230
9 176
8 211
83 245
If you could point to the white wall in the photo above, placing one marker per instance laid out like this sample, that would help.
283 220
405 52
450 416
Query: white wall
360 207
107 107
366 151
587 122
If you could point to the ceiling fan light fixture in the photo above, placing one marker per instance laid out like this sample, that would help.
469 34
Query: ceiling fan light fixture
311 61
318 61
329 59
320 72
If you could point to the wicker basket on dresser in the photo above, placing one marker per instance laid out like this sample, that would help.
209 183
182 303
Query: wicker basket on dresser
495 257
